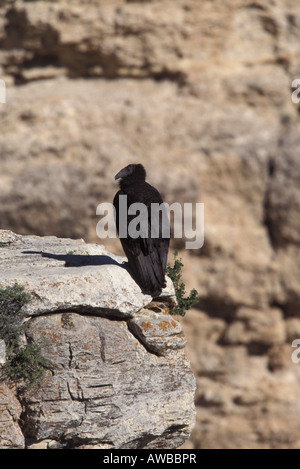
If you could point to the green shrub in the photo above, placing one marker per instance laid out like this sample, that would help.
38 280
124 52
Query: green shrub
24 363
183 303
12 299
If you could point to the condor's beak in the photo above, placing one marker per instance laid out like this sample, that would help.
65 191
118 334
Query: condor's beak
123 173
118 176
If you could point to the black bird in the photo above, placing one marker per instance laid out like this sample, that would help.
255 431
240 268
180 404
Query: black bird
147 256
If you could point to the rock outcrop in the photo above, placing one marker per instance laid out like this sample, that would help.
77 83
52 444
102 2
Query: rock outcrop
118 374
201 96
200 93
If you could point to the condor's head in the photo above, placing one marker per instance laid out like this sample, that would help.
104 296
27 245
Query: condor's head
131 174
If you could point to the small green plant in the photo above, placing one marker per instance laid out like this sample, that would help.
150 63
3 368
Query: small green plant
12 299
183 303
24 363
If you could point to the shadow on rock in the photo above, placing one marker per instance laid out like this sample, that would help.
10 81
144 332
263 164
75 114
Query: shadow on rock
78 260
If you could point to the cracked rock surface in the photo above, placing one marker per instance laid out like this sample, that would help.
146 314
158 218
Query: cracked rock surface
119 376
65 274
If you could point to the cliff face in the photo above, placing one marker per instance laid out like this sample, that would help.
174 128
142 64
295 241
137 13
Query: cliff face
117 377
201 95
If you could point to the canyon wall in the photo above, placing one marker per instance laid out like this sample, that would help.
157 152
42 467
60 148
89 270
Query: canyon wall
200 93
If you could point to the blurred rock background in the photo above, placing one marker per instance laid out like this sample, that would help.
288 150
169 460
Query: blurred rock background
200 93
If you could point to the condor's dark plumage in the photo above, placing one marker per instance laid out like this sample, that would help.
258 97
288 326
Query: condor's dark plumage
147 256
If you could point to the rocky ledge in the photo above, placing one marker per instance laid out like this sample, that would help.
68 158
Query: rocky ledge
119 376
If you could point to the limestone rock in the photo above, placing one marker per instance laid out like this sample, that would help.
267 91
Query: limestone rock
118 376
106 388
159 332
11 436
63 274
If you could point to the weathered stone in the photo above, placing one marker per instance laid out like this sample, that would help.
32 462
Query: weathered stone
46 444
159 332
106 389
11 436
118 376
64 274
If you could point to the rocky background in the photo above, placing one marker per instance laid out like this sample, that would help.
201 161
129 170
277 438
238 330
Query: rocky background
200 93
